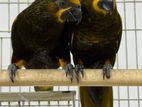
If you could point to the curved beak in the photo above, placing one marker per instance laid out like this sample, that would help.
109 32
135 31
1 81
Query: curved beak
69 11
76 13
70 14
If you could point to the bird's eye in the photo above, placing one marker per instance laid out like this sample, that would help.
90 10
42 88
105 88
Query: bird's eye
63 3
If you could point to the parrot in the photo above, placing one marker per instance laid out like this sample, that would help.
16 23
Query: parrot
40 34
94 45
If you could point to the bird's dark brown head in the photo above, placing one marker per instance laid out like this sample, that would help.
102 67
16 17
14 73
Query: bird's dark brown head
69 11
104 6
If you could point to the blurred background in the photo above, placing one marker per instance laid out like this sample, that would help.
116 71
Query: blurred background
128 57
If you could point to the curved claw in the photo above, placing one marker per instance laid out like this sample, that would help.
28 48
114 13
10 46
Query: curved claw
79 70
69 71
12 68
106 71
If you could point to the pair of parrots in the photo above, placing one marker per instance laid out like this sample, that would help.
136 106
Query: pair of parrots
44 34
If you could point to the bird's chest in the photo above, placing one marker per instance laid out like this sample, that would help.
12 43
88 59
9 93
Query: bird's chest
95 35
95 43
95 48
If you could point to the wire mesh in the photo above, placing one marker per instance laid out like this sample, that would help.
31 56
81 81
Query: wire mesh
63 97
128 57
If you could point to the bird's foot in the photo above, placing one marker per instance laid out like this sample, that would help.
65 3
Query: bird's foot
106 71
79 71
12 68
69 71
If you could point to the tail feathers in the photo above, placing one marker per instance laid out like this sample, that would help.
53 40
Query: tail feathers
96 96
85 98
43 88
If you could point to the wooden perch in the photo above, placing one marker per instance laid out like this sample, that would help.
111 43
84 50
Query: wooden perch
93 77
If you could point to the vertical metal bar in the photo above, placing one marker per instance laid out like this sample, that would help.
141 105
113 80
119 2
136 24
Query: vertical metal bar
58 102
18 6
29 89
118 96
48 103
68 101
38 103
138 93
8 32
8 16
136 46
135 24
79 97
117 61
29 103
73 100
126 47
